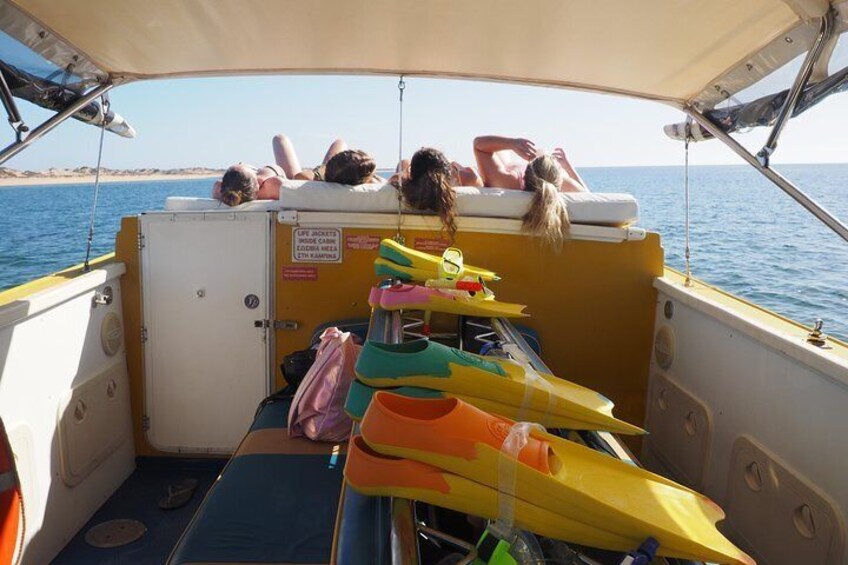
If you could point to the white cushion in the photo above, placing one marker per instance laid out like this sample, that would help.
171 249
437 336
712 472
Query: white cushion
595 208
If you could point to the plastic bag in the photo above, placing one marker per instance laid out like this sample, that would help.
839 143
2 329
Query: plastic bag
317 410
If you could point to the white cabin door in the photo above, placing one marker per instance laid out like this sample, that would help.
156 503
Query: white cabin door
205 290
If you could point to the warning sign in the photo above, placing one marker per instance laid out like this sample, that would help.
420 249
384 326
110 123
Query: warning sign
431 245
362 242
300 273
316 245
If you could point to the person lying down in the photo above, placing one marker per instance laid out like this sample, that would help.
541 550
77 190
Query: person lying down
427 183
242 183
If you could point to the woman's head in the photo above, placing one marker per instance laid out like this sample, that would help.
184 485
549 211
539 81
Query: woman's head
351 166
239 185
428 186
547 216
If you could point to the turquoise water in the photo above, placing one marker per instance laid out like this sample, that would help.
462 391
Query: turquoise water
747 236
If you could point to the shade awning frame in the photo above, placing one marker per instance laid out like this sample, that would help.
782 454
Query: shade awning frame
791 29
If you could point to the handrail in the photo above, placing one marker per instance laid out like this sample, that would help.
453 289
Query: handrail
825 31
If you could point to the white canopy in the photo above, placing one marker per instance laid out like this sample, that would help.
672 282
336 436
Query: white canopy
679 51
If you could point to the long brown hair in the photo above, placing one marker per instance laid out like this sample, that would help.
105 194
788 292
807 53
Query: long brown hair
351 166
428 186
547 216
238 185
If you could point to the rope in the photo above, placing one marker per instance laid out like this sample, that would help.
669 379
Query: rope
687 253
398 236
104 107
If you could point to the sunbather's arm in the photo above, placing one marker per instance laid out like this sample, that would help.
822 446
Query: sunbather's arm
574 182
269 189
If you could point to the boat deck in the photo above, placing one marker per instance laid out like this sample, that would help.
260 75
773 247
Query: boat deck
137 499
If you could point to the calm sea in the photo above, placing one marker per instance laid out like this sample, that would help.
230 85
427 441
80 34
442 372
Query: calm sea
747 237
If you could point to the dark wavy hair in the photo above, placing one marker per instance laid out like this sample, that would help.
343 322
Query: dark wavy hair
428 186
238 185
351 166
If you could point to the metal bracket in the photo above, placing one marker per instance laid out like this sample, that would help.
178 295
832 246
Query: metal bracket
813 55
288 217
103 298
816 336
48 126
285 325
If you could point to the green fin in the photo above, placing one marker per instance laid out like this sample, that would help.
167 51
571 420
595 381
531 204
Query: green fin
359 397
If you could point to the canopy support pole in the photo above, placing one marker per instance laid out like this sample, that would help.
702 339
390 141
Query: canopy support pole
783 184
825 31
21 144
15 119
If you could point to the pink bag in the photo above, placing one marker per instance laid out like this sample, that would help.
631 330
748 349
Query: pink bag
317 410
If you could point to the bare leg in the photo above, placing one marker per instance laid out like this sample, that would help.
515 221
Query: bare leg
336 147
401 169
285 156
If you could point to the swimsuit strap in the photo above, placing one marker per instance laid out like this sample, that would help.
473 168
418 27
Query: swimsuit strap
278 170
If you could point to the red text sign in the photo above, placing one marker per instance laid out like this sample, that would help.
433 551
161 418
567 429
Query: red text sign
362 242
300 273
431 245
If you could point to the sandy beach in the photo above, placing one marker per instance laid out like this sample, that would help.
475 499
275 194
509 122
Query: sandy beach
85 179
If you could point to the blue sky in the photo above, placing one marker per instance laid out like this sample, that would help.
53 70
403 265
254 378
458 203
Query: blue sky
215 122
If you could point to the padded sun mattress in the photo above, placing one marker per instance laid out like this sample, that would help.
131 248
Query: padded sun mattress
275 502
593 208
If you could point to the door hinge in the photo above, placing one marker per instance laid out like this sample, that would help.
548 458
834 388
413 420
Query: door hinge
145 422
143 334
141 242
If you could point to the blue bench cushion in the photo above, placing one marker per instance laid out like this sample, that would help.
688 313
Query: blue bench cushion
275 502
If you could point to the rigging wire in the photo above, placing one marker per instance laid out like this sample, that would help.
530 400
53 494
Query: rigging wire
104 105
687 252
401 87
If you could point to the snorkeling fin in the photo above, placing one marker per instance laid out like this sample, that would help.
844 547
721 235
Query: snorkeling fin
413 297
408 264
563 477
373 474
359 397
427 364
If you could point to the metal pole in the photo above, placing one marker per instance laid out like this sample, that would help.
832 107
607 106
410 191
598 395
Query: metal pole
15 119
797 87
387 327
814 207
48 126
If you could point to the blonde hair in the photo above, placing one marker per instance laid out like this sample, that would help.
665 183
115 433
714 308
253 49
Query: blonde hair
547 216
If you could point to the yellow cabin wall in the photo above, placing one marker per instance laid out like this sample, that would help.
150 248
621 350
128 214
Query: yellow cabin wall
126 250
592 303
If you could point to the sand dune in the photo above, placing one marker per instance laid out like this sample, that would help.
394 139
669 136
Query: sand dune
13 177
